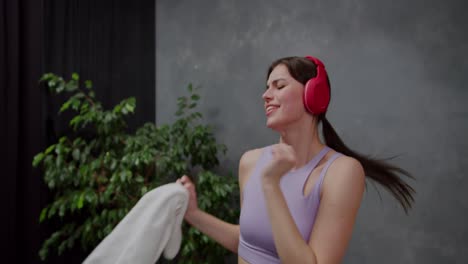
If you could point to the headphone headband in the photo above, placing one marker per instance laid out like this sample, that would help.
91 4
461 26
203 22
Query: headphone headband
316 61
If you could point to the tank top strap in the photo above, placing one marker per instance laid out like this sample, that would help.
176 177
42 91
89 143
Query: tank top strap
314 163
318 186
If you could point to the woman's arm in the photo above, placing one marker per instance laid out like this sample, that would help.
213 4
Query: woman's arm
342 192
343 188
222 232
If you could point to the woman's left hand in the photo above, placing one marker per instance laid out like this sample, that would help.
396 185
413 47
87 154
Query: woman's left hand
284 159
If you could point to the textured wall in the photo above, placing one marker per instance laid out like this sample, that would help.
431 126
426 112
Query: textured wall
398 71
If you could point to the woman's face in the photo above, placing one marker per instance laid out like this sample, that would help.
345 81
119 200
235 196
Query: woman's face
283 99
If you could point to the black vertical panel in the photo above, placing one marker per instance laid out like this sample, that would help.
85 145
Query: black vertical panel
22 193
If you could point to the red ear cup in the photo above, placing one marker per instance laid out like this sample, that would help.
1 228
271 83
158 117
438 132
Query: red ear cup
317 90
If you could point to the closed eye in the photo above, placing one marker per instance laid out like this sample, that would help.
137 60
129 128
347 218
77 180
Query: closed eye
278 84
277 87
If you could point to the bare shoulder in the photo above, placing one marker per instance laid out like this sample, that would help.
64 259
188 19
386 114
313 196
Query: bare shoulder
247 163
250 157
346 165
346 176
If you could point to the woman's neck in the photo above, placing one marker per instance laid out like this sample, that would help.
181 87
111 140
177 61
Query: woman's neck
304 140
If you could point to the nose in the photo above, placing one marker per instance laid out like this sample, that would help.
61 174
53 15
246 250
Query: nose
267 95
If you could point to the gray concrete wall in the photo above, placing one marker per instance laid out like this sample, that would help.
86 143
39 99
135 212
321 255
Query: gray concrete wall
398 71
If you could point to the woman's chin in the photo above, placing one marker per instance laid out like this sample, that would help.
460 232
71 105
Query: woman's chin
271 124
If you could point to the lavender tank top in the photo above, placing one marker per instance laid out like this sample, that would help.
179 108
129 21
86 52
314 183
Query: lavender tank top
256 243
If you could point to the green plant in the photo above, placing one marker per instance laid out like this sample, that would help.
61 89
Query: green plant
97 174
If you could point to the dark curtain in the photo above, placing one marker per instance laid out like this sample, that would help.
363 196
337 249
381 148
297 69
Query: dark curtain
109 42
22 193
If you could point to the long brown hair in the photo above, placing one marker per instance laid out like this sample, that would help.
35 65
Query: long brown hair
379 170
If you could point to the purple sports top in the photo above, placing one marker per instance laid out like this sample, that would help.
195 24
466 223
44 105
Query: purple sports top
256 245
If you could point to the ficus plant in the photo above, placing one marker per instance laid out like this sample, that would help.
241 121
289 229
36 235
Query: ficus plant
99 171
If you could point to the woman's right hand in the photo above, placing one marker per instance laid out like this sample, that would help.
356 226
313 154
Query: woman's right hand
190 186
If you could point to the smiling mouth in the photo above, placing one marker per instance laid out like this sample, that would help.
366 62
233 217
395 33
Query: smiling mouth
271 109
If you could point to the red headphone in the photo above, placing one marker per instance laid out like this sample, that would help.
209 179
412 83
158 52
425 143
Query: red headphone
317 90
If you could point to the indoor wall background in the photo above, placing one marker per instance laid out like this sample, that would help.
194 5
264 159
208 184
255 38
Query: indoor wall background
398 71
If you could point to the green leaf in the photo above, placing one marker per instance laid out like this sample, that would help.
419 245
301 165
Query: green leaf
62 210
46 76
79 95
51 83
113 164
61 248
144 190
43 215
90 197
139 179
51 212
65 106
37 159
130 105
71 86
60 87
192 105
75 76
51 184
79 204
76 154
75 104
107 117
43 253
75 121
117 108
181 100
123 176
130 108
88 84
195 97
128 174
49 149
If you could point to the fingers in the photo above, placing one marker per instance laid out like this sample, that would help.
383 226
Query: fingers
185 181
282 150
185 178
284 153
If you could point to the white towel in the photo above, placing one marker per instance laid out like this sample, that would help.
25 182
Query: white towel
152 227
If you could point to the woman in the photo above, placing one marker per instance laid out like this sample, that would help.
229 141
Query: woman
300 197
